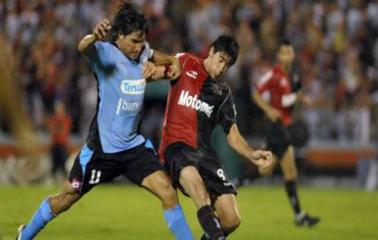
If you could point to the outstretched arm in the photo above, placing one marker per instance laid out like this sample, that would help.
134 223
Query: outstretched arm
164 67
152 72
160 58
239 144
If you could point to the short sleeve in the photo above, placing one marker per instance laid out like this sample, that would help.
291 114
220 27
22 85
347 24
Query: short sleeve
147 53
98 55
181 57
227 112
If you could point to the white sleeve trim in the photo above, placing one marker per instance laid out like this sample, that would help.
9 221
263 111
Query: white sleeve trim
151 53
265 78
178 55
289 100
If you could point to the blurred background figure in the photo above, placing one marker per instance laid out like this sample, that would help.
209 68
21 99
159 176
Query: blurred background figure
59 125
276 94
26 167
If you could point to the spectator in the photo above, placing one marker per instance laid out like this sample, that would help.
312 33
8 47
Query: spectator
326 34
60 126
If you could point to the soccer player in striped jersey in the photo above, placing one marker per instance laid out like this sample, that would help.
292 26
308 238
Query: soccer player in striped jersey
197 102
280 97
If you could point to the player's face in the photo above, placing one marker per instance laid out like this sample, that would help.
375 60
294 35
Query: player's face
131 44
218 63
286 55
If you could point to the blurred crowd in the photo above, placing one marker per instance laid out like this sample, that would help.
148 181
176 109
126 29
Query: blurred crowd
335 41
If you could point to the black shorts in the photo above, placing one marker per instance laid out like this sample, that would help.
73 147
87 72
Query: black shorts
95 167
179 155
278 139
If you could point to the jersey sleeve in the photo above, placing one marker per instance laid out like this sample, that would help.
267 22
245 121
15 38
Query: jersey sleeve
181 57
98 56
147 53
227 112
265 82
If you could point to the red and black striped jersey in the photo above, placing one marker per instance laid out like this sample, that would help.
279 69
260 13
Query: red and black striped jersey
196 104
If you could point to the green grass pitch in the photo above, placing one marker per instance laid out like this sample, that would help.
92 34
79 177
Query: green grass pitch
114 212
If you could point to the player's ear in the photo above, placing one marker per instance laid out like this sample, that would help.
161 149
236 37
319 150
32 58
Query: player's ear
121 36
212 51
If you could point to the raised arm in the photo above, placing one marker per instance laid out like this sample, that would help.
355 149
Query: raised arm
240 145
99 34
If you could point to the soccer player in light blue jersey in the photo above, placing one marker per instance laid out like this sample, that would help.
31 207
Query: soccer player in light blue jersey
114 145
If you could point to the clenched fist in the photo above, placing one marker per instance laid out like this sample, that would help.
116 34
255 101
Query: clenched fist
261 158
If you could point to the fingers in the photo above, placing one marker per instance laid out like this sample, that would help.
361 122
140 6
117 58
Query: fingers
99 33
265 163
105 23
267 154
263 158
174 69
148 70
102 29
173 74
268 158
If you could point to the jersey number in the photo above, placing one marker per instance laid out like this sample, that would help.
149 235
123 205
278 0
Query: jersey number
220 173
95 177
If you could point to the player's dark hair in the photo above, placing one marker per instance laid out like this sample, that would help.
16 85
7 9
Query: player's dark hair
227 44
127 20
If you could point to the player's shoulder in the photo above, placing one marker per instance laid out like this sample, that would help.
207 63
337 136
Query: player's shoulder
188 57
266 76
185 55
103 44
105 47
224 89
271 75
278 70
224 85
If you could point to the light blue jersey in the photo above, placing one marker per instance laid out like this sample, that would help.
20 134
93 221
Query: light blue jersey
121 93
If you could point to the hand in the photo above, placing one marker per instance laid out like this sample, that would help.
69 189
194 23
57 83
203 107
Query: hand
174 70
149 70
102 29
274 115
262 159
